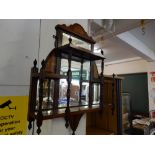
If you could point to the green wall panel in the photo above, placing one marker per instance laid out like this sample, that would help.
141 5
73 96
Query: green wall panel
137 86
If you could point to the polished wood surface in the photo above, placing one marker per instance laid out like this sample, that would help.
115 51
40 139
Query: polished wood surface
98 131
105 121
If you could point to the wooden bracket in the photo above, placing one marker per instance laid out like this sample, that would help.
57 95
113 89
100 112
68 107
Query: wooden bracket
73 120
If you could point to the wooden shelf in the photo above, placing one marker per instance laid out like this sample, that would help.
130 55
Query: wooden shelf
49 75
77 53
73 110
98 131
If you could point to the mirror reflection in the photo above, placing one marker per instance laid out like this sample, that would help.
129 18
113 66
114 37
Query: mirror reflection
76 82
75 41
48 93
96 93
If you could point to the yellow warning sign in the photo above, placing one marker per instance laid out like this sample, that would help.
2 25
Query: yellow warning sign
13 115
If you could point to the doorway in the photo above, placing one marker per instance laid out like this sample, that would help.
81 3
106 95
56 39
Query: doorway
137 86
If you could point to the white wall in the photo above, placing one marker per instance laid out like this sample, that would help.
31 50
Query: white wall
18 48
137 66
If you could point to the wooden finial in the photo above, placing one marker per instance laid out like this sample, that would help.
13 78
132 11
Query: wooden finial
43 63
30 125
102 52
55 37
38 131
35 63
70 40
56 40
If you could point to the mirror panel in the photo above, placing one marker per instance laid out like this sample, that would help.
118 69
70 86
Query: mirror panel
75 41
48 94
96 93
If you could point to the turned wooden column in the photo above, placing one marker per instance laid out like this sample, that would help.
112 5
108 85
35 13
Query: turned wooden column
90 85
81 78
32 94
57 81
49 92
113 95
69 78
39 114
102 84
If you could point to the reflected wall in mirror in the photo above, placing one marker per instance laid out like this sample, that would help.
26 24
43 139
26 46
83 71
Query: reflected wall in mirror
79 85
85 93
86 70
48 94
96 93
75 41
62 102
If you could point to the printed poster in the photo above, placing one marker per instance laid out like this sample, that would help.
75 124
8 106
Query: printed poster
13 115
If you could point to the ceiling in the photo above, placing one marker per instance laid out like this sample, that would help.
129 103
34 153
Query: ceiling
123 39
149 38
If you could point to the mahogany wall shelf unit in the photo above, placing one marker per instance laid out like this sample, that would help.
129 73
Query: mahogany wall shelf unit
68 83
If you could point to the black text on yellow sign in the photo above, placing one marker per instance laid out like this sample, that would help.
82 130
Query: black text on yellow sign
13 115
